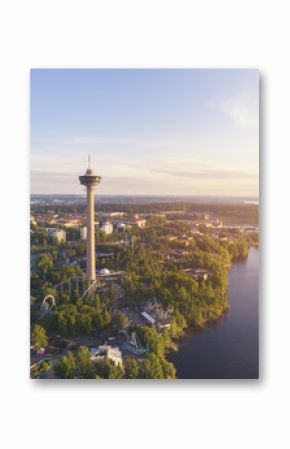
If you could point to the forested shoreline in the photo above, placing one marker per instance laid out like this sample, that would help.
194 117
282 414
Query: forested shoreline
148 273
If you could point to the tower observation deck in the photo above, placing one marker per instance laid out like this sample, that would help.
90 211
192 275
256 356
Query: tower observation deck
90 181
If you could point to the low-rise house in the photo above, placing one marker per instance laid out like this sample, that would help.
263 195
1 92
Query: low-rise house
155 313
140 222
200 274
176 255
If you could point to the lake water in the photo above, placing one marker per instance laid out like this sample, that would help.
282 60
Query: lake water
228 349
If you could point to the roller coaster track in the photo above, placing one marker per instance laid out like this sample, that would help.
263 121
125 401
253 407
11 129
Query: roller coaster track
78 283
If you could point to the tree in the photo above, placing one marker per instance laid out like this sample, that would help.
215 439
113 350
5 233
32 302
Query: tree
86 367
178 324
67 315
66 367
152 367
45 365
122 321
44 263
38 337
106 369
155 367
150 336
85 325
168 369
132 370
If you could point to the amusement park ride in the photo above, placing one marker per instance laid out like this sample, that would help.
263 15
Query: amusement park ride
77 284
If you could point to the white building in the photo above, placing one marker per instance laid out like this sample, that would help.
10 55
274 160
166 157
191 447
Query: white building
117 214
141 223
83 233
107 228
122 226
58 234
107 275
107 351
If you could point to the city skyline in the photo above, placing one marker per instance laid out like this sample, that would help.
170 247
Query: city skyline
162 132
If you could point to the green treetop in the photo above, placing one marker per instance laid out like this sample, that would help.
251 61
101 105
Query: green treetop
38 337
66 367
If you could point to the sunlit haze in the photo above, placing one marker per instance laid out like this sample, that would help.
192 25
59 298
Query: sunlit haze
163 132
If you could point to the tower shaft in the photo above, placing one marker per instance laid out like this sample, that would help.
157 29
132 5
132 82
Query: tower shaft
91 256
90 181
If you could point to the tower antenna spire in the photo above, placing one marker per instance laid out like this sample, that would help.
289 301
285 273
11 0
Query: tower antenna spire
89 161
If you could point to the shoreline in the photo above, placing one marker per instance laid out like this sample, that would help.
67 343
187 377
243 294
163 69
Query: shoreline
189 332
195 330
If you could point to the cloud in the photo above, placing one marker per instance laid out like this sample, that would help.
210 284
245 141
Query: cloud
119 140
208 174
52 177
79 140
242 110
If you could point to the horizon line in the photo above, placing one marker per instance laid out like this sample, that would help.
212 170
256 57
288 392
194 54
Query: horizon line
151 195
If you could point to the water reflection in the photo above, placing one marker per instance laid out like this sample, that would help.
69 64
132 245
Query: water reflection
228 349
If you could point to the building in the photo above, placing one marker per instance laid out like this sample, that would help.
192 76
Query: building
171 237
107 351
107 228
83 233
185 240
127 223
155 313
148 318
58 234
216 222
70 222
141 222
90 181
103 257
200 274
177 254
121 226
107 275
117 214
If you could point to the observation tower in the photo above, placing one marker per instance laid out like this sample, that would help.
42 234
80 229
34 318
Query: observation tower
90 180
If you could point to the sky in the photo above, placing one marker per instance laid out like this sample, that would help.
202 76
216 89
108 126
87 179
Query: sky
149 132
